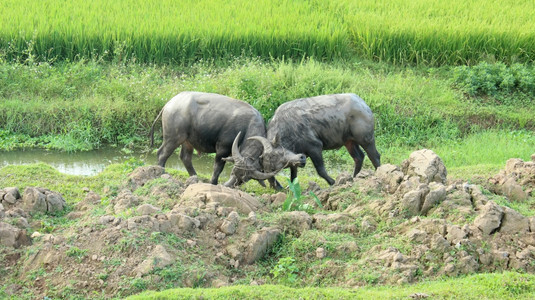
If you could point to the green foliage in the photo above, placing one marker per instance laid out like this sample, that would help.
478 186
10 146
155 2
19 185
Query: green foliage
497 80
295 200
77 253
180 33
286 270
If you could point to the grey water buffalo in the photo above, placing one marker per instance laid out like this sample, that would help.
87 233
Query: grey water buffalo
211 123
311 125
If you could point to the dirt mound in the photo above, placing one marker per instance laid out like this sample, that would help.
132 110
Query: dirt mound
397 225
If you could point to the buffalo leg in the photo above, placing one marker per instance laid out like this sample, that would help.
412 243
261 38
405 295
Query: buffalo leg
373 154
357 155
166 150
293 173
274 183
186 154
317 160
219 164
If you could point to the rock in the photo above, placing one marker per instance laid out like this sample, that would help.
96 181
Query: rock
11 195
438 242
182 222
391 176
199 194
416 235
158 258
39 200
191 180
2 212
437 194
11 236
278 199
343 178
512 165
512 190
455 234
489 218
533 157
147 209
368 224
230 225
426 165
124 200
321 253
412 201
260 243
295 221
513 222
34 200
142 175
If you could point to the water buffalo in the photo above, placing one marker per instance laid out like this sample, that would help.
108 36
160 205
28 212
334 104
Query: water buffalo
211 123
311 125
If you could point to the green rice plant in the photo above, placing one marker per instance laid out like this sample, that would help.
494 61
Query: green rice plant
294 200
420 31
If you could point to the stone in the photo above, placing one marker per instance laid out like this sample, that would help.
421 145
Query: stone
34 200
11 236
343 178
182 222
125 200
200 194
512 190
230 224
278 199
158 258
11 195
489 218
437 194
513 222
455 234
427 165
142 175
391 176
260 243
147 209
368 224
321 253
295 221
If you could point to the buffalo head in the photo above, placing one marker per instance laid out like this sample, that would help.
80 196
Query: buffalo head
274 158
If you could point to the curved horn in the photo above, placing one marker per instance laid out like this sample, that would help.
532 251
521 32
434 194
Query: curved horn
264 141
236 155
261 175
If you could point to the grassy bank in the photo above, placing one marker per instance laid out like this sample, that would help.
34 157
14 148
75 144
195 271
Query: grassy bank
87 104
507 285
413 32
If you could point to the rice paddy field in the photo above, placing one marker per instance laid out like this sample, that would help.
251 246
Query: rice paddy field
427 32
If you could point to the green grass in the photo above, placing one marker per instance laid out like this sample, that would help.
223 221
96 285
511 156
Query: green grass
421 32
507 285
85 105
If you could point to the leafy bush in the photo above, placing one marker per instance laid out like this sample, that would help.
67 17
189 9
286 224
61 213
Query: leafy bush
496 80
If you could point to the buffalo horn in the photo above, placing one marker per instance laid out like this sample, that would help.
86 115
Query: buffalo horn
265 143
236 155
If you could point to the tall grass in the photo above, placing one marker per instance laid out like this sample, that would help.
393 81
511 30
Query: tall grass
98 103
166 31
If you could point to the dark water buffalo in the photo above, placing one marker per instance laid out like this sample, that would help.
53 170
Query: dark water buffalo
210 123
311 125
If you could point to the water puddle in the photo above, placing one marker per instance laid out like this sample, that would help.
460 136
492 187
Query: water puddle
93 162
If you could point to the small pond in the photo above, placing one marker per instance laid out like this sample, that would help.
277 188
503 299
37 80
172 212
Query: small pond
93 162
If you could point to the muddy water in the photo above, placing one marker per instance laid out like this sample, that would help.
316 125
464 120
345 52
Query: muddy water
93 162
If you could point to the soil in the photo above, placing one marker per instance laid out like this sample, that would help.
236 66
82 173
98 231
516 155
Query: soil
396 225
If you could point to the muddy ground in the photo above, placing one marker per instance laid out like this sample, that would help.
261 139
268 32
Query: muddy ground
399 224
